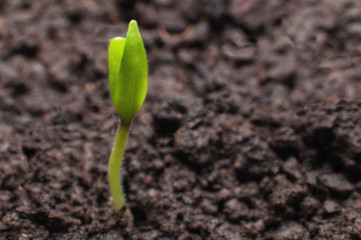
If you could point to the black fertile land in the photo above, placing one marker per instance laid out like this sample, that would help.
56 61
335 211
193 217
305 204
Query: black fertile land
251 128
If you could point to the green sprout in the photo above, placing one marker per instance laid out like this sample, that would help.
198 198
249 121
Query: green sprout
128 73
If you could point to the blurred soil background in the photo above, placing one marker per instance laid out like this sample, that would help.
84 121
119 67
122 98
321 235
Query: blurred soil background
250 130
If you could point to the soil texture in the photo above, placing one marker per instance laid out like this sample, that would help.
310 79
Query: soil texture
251 128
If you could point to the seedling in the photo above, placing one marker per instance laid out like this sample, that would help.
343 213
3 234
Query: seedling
128 73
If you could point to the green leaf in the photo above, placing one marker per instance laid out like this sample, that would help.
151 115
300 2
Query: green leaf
128 73
115 54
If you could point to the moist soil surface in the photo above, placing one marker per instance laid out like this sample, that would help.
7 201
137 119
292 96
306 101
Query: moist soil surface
251 128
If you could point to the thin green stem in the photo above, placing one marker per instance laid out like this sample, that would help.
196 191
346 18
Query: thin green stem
115 164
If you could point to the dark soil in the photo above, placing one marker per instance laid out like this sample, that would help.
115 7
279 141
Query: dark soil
251 128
